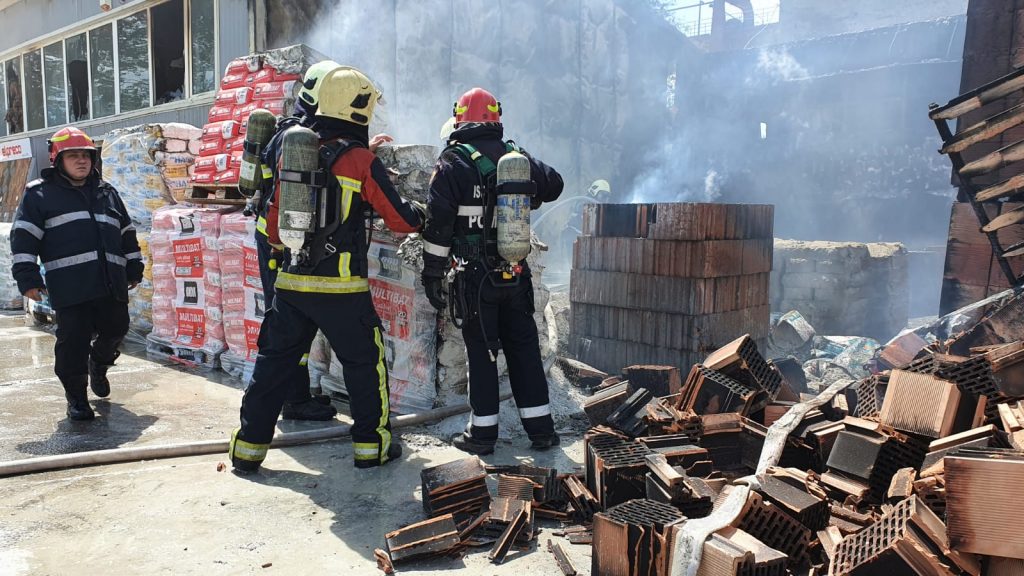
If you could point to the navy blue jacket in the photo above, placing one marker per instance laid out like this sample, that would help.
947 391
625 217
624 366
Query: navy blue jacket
82 235
456 194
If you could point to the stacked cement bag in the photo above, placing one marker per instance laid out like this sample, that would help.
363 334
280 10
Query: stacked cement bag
410 168
409 325
140 300
10 297
267 80
187 297
242 294
176 156
130 165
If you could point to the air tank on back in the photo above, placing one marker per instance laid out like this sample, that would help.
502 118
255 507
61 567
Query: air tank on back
259 130
515 190
297 200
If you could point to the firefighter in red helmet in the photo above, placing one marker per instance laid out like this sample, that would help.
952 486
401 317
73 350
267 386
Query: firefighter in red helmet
494 306
77 227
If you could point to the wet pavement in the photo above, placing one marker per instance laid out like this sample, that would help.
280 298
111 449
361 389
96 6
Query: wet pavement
308 512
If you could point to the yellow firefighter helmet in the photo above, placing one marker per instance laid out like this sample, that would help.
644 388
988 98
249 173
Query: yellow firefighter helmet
348 94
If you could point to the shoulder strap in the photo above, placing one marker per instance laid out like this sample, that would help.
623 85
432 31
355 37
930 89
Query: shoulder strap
483 164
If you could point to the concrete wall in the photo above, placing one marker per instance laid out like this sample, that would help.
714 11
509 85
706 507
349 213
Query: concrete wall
842 288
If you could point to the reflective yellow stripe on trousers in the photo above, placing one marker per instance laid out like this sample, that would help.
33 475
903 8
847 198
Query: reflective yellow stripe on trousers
385 403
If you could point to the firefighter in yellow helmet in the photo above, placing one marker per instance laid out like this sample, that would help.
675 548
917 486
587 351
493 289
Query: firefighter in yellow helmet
324 285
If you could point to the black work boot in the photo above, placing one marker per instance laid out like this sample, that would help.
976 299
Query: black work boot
544 442
463 441
78 401
98 378
309 409
394 453
245 457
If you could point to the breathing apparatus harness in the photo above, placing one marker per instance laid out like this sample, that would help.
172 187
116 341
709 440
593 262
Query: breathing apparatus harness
467 251
327 241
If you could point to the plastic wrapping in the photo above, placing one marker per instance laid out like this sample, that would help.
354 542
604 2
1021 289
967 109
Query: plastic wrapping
410 326
187 294
243 302
10 297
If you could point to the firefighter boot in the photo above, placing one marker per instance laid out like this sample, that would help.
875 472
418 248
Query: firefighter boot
394 453
78 403
246 457
98 378
543 442
309 409
467 443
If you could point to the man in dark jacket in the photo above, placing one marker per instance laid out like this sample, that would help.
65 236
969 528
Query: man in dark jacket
77 225
493 298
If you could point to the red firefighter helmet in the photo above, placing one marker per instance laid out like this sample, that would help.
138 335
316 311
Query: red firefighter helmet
477 105
69 138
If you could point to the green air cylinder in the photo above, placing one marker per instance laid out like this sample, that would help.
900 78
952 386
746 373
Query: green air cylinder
515 189
259 130
297 195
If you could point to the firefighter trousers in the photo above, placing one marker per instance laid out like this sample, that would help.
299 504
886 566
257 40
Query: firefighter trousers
353 328
300 380
91 329
507 314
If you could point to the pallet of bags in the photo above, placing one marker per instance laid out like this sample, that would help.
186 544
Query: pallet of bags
10 296
410 328
268 80
176 156
140 300
243 301
130 165
187 288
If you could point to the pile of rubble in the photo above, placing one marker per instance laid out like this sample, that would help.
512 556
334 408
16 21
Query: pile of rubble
913 470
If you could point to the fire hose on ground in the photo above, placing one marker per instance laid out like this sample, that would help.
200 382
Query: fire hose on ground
204 447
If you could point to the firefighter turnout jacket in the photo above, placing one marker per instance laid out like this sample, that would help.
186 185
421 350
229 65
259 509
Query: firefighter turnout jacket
458 193
83 236
361 184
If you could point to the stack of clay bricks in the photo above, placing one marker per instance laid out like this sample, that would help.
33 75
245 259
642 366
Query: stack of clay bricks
668 283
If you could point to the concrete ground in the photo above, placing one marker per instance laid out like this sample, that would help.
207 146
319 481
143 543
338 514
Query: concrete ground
308 512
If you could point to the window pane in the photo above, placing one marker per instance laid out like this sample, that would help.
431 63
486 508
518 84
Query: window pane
78 77
12 76
133 61
34 90
101 66
56 99
168 55
204 69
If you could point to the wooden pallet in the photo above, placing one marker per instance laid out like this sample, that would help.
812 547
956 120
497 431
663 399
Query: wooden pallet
220 194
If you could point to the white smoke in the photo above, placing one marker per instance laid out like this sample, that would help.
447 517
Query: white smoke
779 65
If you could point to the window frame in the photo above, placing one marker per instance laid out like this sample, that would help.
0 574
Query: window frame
112 18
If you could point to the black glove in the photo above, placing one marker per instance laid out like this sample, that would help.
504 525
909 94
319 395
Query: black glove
435 292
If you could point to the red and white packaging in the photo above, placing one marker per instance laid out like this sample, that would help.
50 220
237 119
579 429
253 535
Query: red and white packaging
234 80
226 177
224 130
217 163
241 113
234 96
221 112
234 145
244 305
273 106
273 90
187 295
202 177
